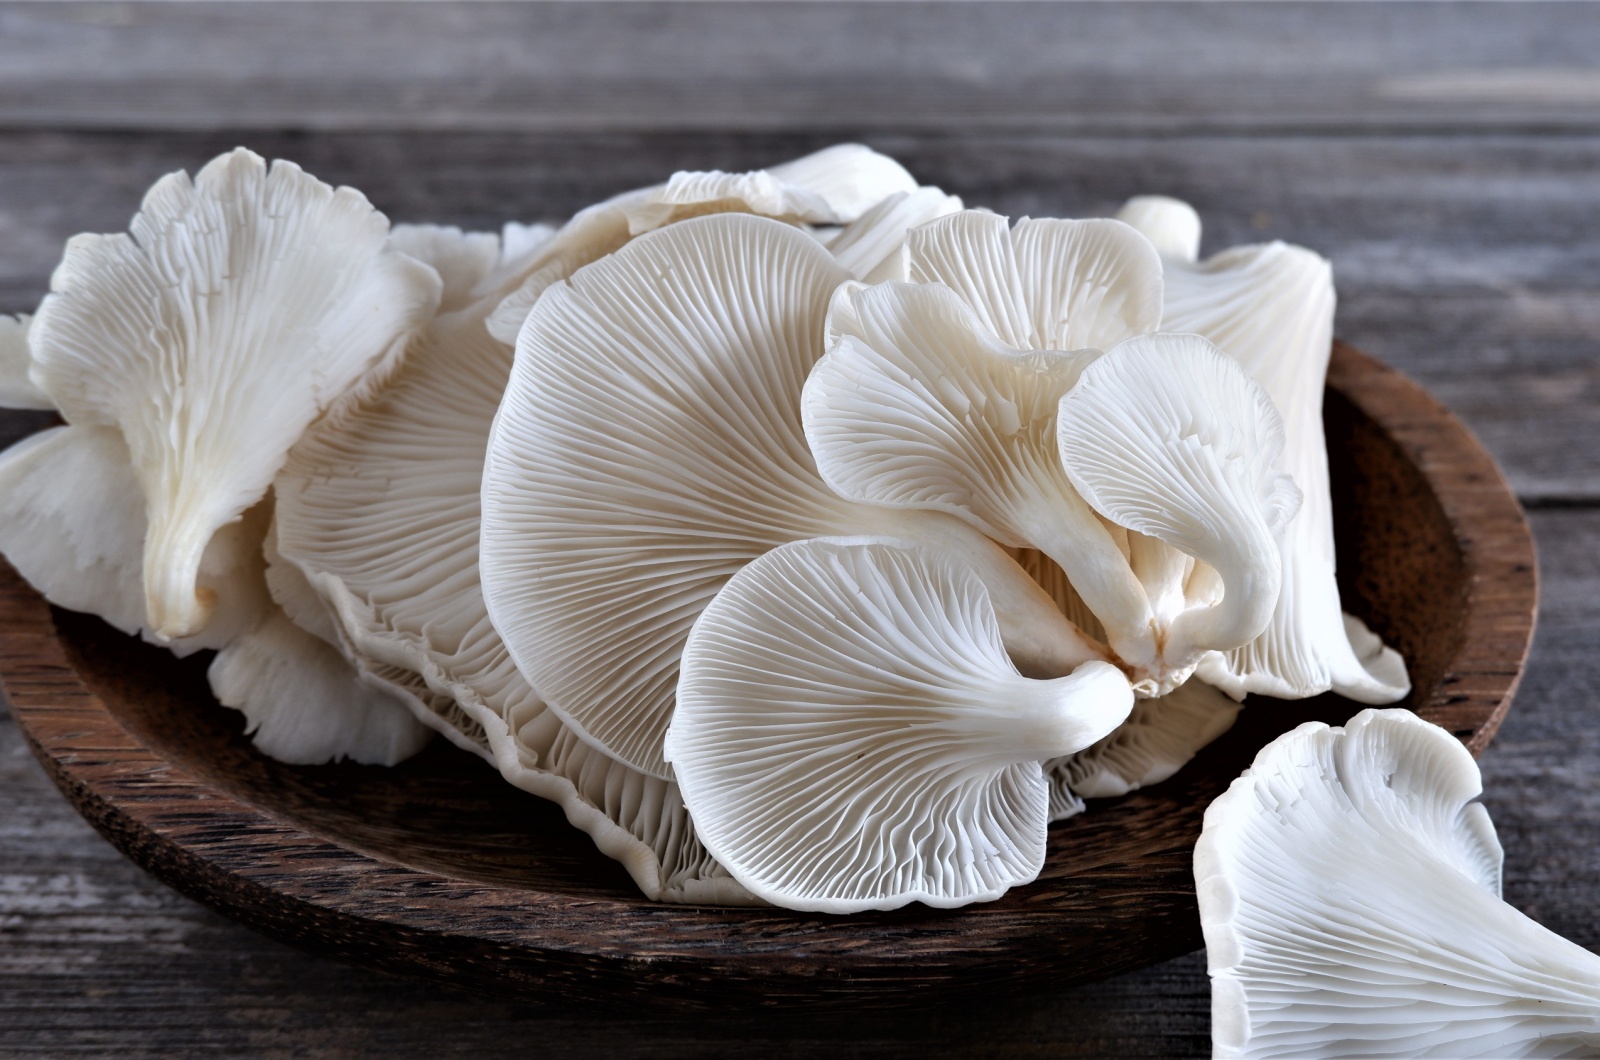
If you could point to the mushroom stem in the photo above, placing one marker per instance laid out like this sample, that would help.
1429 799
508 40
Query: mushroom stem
176 606
1048 719
1041 641
1170 224
1252 575
1100 574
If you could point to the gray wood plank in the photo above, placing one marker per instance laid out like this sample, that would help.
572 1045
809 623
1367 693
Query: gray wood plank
97 959
1469 262
1156 67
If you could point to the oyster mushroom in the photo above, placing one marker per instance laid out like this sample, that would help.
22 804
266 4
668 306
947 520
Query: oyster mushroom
1270 307
1350 895
378 522
649 445
943 394
1166 436
916 407
851 735
1064 285
304 704
1044 284
919 404
834 186
17 390
243 305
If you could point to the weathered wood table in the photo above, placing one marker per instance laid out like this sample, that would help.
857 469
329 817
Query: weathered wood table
1447 159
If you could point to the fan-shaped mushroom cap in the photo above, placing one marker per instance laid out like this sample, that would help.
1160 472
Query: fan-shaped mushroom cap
74 527
1168 437
17 391
1158 739
378 517
836 185
1270 307
243 305
850 734
649 445
849 179
472 265
1349 892
304 704
1046 284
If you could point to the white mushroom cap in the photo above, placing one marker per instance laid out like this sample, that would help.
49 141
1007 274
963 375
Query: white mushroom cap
242 306
849 178
472 265
1158 739
1349 891
380 511
1045 284
1168 437
1270 307
305 705
649 445
74 526
850 734
836 185
17 390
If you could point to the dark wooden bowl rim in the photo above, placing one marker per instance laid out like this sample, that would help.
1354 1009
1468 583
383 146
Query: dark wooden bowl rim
1116 892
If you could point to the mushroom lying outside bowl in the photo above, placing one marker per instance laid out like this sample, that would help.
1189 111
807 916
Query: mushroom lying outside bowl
437 869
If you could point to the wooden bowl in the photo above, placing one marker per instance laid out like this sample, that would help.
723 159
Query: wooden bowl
440 870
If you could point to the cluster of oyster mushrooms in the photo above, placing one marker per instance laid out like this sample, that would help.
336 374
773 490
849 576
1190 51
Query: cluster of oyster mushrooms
807 537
